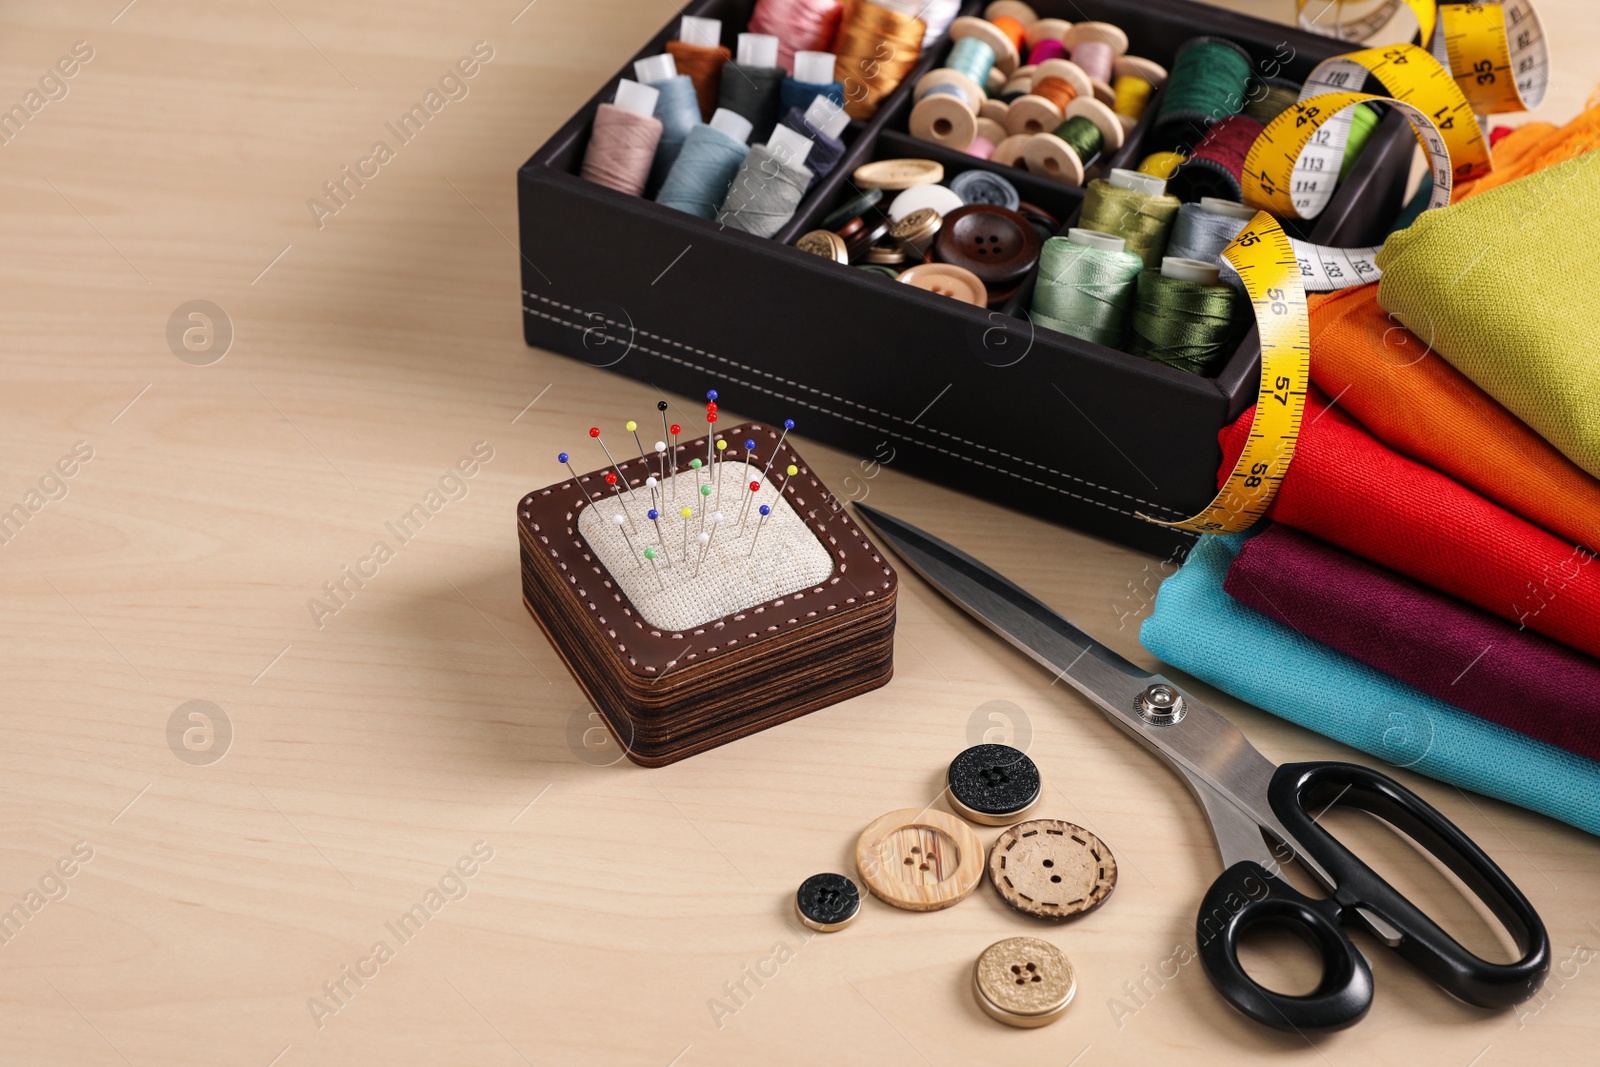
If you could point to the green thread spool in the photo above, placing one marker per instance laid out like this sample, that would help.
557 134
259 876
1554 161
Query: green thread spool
1271 97
1086 286
1209 81
1134 207
1184 317
1363 121
1084 137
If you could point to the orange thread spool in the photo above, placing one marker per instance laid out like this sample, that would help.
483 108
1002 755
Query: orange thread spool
704 68
1012 29
876 49
1058 91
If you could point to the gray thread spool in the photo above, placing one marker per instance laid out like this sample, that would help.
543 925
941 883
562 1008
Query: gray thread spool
770 184
1201 231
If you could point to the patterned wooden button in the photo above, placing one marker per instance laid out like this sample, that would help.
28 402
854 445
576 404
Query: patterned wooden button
993 784
827 902
1052 869
1023 981
919 859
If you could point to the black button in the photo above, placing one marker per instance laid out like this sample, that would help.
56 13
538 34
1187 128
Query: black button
827 902
993 784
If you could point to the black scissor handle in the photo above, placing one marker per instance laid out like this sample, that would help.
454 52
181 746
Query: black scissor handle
1298 789
1246 896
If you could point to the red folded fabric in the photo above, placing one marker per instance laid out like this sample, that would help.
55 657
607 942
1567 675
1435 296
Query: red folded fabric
1447 649
1348 489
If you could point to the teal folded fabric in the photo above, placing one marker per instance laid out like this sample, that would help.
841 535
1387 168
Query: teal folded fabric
1198 628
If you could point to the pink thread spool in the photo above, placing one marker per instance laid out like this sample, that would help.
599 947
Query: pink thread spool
622 143
981 147
1095 47
799 25
1049 48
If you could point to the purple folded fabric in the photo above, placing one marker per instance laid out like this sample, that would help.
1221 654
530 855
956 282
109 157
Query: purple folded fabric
1449 649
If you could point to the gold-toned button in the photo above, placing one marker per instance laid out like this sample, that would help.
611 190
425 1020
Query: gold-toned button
885 255
1023 981
1052 869
919 859
947 279
824 243
917 230
898 173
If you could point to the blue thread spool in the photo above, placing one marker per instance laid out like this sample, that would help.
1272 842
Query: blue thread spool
698 182
948 99
677 107
813 77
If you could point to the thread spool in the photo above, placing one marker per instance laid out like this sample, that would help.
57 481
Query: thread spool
1009 152
699 54
994 110
677 107
812 77
948 99
1090 129
1006 56
769 186
1047 49
822 122
698 182
1096 46
1047 30
1184 317
981 148
1363 122
752 82
1055 85
799 26
1269 98
1201 231
1132 97
1161 164
868 75
1135 207
1216 165
1209 80
1086 286
622 142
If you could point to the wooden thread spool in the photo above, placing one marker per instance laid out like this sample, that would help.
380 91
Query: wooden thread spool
1006 56
1096 46
1045 107
994 110
1047 30
1049 155
946 111
1009 151
1011 9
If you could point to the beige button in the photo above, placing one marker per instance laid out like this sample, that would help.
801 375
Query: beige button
898 173
1023 981
947 279
1052 869
919 859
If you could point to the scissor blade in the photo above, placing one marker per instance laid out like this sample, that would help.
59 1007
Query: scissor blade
1029 624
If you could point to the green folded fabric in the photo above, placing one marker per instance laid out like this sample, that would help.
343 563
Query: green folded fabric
1502 285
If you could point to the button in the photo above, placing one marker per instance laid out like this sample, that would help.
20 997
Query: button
940 198
878 268
824 243
885 255
869 234
946 279
1023 981
916 230
827 902
898 173
985 187
1044 223
993 784
1052 869
855 207
997 245
919 859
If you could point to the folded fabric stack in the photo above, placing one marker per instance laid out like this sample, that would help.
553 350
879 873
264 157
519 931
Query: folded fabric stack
1428 589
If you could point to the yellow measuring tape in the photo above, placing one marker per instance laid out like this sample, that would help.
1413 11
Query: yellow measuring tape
1497 52
1374 15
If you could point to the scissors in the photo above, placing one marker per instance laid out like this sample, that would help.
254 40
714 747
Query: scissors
1243 795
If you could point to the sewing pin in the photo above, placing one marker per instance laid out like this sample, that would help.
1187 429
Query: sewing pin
661 406
564 458
749 449
705 541
621 519
789 472
661 461
695 465
788 424
711 420
633 428
744 511
686 512
722 446
765 511
655 516
673 433
650 484
705 491
594 432
611 480
650 554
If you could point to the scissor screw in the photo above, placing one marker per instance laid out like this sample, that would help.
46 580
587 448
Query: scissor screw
1160 704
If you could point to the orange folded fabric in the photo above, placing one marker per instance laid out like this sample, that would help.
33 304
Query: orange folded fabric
1415 402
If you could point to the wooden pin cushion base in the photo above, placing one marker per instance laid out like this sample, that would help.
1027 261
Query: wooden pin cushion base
667 694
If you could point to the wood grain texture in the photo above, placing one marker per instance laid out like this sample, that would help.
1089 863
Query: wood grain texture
919 859
622 916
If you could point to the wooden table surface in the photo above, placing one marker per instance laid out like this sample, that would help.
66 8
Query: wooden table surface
212 890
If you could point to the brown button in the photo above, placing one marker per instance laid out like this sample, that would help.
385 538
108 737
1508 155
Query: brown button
1052 869
869 234
919 859
1023 981
997 245
947 279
